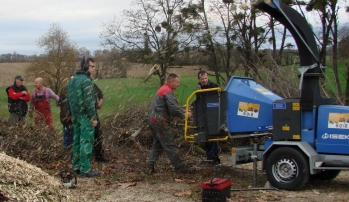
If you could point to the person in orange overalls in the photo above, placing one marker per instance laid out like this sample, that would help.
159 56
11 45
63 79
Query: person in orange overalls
40 101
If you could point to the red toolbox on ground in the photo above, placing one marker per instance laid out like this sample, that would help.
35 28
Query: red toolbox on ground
217 189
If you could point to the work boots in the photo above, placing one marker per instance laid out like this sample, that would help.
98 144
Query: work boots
149 170
102 159
90 173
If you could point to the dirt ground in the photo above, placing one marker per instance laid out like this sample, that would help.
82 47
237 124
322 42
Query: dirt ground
122 180
131 184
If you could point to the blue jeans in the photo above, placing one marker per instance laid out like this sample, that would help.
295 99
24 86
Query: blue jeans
212 150
67 136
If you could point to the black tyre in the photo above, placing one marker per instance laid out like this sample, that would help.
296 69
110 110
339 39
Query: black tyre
287 168
325 175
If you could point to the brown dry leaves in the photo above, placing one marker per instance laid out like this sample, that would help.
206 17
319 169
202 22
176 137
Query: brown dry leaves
127 184
183 193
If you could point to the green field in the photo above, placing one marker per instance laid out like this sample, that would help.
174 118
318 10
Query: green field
124 93
119 94
342 72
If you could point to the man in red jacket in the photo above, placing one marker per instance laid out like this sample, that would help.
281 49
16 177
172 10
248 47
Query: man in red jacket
163 108
18 96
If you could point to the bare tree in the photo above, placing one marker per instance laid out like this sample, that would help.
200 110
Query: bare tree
247 35
343 42
277 54
343 54
226 26
110 64
58 63
100 56
151 24
199 12
328 12
83 52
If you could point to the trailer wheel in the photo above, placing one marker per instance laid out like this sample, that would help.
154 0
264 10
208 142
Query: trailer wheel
325 175
287 168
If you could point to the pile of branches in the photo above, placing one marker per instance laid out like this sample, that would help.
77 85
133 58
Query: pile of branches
126 137
32 144
41 147
130 128
126 129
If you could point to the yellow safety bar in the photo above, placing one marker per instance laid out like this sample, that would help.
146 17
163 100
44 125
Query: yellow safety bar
190 137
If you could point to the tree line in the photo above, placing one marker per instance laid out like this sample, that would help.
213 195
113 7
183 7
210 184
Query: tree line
226 36
231 35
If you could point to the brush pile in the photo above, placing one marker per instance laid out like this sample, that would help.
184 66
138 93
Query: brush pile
127 142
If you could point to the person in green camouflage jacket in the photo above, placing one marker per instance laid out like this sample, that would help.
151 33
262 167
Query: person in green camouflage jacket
80 96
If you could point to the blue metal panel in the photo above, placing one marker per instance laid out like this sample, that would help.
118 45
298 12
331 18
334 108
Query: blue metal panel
333 129
249 106
308 127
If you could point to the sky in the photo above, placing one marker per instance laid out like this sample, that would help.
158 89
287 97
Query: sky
23 22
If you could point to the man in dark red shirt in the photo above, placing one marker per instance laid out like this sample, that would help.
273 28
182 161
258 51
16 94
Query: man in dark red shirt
163 108
18 96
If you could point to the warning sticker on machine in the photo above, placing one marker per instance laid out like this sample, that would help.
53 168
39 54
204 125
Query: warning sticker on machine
264 91
338 120
248 109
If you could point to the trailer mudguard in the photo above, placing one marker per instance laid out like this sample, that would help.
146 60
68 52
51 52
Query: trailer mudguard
304 147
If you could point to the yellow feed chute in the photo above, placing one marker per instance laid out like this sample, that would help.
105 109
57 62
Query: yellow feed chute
190 137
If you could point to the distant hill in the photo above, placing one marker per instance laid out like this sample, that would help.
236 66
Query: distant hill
8 71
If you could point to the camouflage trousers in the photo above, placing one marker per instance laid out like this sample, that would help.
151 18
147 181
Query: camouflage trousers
83 137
